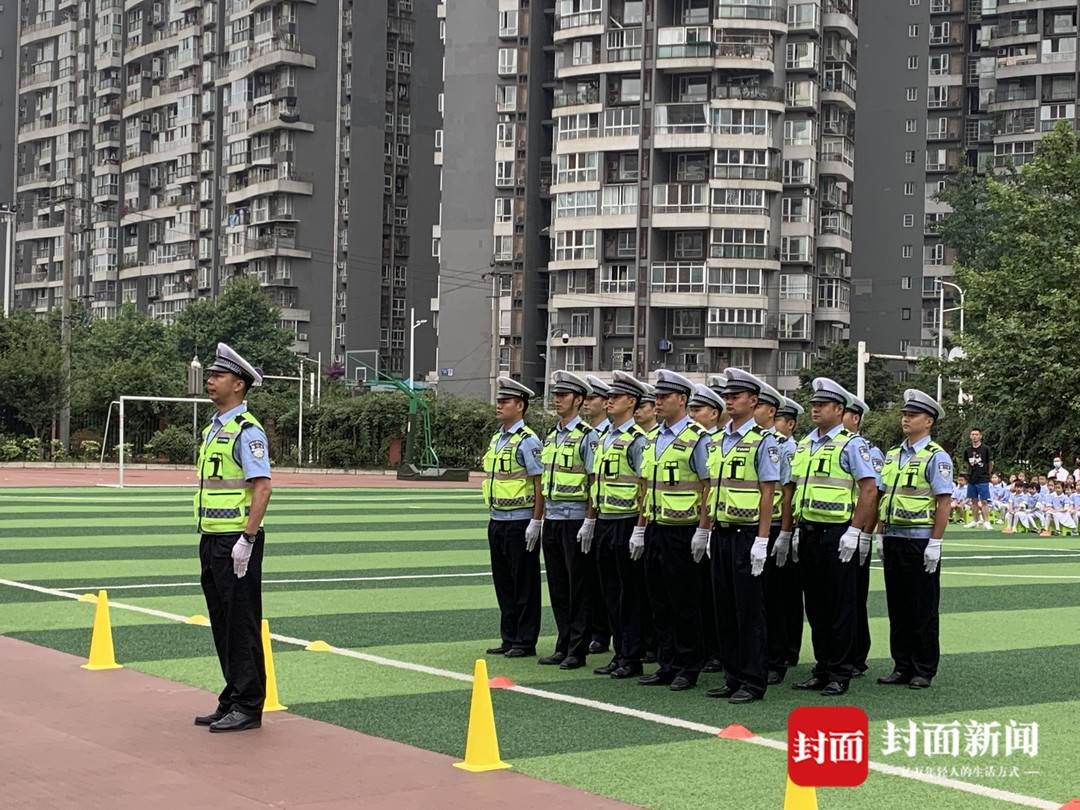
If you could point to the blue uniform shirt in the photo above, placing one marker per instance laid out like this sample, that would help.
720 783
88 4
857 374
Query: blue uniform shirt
253 446
855 459
633 455
699 459
528 456
603 428
939 473
572 510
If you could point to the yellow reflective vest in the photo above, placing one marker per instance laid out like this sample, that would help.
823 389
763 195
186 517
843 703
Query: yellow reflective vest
908 500
618 486
506 484
824 490
736 496
565 477
672 488
223 502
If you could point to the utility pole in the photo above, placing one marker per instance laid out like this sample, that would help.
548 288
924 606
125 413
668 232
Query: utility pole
8 214
65 324
496 341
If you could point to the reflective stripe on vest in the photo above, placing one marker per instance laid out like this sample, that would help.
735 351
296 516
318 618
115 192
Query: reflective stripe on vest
824 491
734 478
617 487
565 477
506 484
908 500
673 487
223 502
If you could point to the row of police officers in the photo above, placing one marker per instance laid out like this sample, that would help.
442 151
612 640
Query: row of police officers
683 524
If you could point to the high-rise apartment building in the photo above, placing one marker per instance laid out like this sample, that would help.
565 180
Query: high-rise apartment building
952 83
167 146
699 162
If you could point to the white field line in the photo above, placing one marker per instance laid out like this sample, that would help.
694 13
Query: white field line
1018 799
945 571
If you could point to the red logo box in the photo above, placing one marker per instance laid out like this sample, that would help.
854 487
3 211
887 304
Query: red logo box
828 746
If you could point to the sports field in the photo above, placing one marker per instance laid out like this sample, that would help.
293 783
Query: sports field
400 577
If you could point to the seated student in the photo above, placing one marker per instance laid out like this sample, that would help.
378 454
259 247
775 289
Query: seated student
998 493
1074 502
959 500
1044 510
1013 479
1013 502
1063 516
1022 505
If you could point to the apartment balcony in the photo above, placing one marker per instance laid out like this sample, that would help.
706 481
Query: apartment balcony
281 50
771 17
1012 98
837 157
685 47
41 74
755 52
839 15
578 97
1015 32
52 25
835 90
34 179
952 132
682 126
584 24
265 247
754 96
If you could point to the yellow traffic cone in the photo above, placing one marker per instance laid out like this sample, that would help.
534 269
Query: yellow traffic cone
482 745
797 797
102 655
271 703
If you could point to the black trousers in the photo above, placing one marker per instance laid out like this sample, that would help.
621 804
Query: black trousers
740 608
862 641
831 596
516 574
622 585
599 627
673 580
712 650
234 606
569 575
913 597
783 609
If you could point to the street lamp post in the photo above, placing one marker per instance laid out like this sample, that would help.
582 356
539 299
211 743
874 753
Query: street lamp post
7 213
413 323
942 284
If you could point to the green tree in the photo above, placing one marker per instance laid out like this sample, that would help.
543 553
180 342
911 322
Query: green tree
31 375
840 364
1022 278
243 317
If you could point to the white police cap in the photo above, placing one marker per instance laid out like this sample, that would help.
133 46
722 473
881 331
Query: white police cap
739 380
563 381
769 395
790 408
507 388
671 382
826 390
598 388
623 383
227 359
856 405
650 393
717 382
704 395
916 400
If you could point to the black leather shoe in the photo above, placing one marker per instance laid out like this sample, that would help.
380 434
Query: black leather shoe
519 652
627 671
207 719
724 691
834 688
607 668
743 695
811 684
919 683
595 648
895 679
235 721
656 679
681 684
552 660
775 677
571 662
712 665
500 650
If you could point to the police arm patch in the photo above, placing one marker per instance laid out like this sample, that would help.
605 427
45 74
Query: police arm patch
257 448
864 453
944 468
774 455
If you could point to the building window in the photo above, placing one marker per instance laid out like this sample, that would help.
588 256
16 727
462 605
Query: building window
905 282
507 61
736 322
578 167
913 63
575 246
735 280
906 251
504 209
909 189
905 314
911 125
909 220
911 93
909 156
616 278
687 323
913 31
508 23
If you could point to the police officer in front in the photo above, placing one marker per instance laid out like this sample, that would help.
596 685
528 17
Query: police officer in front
595 411
568 534
744 470
672 531
854 412
616 506
916 489
783 584
234 490
512 494
834 493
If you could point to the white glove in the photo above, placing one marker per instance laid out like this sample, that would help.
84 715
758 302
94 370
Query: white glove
879 545
637 542
795 546
781 548
699 544
932 556
532 534
864 547
241 553
585 534
849 544
758 552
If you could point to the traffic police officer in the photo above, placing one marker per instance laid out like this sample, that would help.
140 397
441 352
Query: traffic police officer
234 490
595 409
675 473
783 585
512 494
916 489
829 467
567 535
706 408
617 504
744 472
595 406
854 411
645 415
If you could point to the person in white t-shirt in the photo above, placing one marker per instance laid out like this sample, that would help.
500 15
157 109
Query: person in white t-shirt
1058 473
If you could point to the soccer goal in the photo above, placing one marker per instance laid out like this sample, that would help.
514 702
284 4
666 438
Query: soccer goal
121 447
